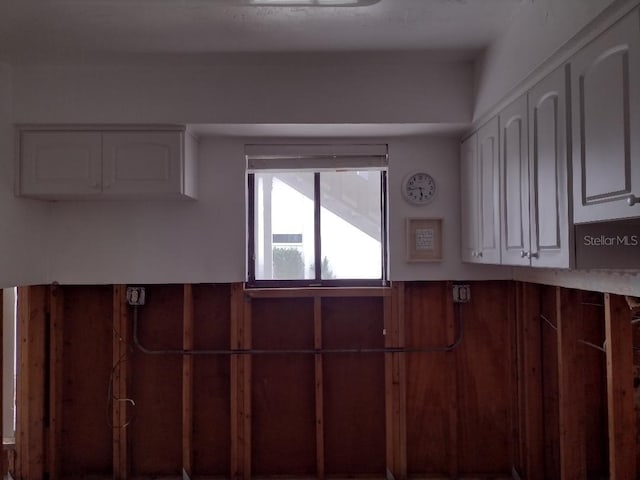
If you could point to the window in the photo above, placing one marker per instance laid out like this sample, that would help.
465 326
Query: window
317 218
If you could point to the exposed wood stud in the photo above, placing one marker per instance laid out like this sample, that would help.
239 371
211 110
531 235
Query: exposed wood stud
395 383
187 382
398 313
572 427
240 384
515 445
121 342
237 310
21 384
531 386
389 330
246 387
317 341
56 305
621 412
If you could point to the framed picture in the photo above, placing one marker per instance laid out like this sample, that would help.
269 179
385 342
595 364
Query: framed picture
424 239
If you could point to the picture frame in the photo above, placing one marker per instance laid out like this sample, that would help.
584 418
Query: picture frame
424 240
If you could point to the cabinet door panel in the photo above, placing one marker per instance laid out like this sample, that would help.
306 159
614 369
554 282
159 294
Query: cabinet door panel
550 235
606 118
488 172
468 197
142 163
60 164
514 174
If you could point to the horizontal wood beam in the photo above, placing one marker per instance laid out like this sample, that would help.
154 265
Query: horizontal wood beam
318 292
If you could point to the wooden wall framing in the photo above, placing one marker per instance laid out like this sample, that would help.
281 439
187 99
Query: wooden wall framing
526 392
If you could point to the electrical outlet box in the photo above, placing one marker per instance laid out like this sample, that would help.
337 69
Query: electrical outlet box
461 293
135 295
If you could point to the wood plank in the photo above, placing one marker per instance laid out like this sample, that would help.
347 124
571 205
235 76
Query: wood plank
283 394
570 387
120 349
622 421
594 399
187 382
430 376
56 305
550 405
484 381
354 387
32 305
156 381
528 314
317 343
211 381
86 438
451 313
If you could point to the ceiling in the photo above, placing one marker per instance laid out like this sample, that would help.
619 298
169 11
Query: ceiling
95 30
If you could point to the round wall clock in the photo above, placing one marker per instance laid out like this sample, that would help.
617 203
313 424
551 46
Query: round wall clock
419 188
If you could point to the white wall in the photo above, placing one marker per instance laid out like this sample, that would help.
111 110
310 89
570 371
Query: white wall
23 223
158 242
254 89
536 31
204 240
440 157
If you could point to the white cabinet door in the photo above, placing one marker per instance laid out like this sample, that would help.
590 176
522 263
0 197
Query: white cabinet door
605 83
60 164
488 172
142 163
469 212
514 183
548 159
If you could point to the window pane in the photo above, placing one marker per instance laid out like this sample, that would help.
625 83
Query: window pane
350 225
284 230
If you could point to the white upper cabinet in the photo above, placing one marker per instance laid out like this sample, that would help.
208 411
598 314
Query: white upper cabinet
534 209
66 164
605 84
488 172
469 210
514 184
550 227
136 163
69 162
480 195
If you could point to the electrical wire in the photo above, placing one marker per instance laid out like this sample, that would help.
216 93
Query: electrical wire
299 351
548 322
597 347
584 342
112 398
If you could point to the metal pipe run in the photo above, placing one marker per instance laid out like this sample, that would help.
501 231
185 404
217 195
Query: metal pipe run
298 351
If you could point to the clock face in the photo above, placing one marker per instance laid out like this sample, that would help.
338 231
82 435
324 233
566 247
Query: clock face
419 188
